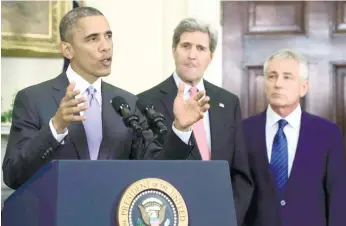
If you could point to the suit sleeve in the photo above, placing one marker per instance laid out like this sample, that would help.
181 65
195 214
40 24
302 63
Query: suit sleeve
29 146
150 149
242 182
336 181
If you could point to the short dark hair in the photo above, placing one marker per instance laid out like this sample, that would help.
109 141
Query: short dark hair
71 18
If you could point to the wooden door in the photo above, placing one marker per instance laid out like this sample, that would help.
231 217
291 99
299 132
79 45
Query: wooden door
254 30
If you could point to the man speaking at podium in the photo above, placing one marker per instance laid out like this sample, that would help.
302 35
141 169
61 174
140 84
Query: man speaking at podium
71 117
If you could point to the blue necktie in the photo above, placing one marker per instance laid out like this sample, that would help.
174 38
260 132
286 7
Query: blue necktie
279 157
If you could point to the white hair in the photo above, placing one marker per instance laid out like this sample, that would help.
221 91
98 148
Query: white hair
289 54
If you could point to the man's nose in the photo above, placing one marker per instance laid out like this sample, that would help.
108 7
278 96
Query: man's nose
192 53
279 81
106 45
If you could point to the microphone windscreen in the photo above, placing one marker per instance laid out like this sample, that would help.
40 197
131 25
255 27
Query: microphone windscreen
117 102
142 104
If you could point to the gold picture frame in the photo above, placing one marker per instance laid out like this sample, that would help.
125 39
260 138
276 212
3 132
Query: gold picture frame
31 28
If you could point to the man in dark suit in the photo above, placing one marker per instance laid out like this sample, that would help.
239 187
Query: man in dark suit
219 135
51 121
296 159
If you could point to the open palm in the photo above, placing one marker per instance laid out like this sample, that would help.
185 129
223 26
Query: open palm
188 112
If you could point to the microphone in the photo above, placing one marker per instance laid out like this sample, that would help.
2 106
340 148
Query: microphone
156 119
123 109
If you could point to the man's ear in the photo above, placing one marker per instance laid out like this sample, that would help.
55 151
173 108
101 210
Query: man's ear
66 50
304 87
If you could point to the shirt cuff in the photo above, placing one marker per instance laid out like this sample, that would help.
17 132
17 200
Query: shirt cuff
183 135
58 137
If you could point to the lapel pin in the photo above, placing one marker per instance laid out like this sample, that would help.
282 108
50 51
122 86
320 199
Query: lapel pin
221 105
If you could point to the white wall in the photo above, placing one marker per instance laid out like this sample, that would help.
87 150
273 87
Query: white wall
18 73
137 36
172 13
142 46
209 11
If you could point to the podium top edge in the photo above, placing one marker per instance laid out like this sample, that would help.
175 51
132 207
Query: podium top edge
136 161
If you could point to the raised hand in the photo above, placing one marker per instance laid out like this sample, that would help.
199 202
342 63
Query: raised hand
67 108
188 112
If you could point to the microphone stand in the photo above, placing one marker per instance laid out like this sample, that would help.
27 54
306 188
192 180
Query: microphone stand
153 140
131 118
138 132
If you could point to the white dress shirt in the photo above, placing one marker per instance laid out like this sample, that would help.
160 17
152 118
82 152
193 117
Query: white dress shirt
291 131
186 136
82 85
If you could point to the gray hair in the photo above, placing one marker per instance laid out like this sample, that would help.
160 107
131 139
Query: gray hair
289 54
71 18
192 25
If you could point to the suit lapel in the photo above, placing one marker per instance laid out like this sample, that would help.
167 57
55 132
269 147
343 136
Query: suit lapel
259 152
76 131
59 88
262 147
110 122
301 158
169 91
217 125
106 118
78 137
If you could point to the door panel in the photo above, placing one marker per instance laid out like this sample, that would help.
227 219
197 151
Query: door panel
254 30
340 97
275 18
339 25
256 90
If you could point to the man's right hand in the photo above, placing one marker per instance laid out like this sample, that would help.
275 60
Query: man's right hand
68 108
188 112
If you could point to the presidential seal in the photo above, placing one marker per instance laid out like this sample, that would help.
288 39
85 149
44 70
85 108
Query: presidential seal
152 202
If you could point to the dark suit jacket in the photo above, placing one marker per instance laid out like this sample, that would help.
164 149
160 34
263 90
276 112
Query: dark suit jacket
226 135
31 143
316 190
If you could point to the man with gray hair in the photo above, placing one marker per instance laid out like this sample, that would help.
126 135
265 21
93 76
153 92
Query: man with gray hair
71 116
219 135
296 159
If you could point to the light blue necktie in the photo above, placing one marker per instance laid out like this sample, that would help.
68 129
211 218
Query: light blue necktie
279 157
93 124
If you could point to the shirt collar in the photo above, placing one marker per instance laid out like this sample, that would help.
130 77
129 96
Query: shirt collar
293 119
81 84
199 86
